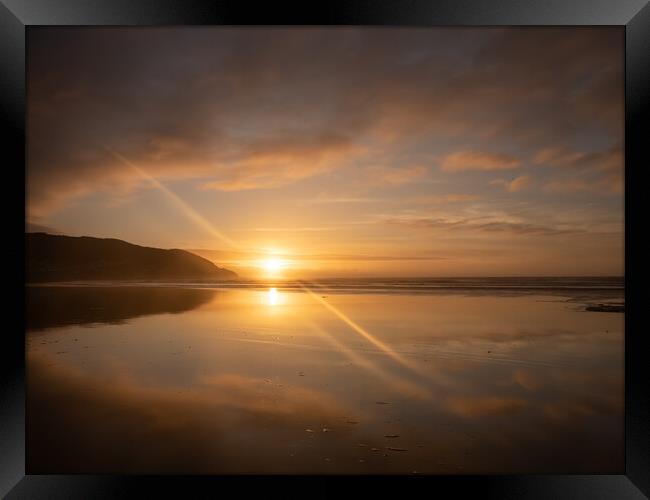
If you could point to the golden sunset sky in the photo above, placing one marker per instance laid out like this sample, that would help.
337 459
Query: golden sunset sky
335 152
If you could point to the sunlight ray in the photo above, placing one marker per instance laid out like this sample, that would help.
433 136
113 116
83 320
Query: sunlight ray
362 331
398 383
190 212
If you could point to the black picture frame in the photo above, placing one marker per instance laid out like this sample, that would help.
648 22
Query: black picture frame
17 16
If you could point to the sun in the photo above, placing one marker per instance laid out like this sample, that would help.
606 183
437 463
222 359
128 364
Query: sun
273 265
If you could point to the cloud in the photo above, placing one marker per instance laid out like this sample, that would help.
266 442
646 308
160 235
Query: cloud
612 184
587 172
239 109
484 224
276 162
324 200
607 160
382 175
520 183
474 160
600 172
556 156
443 199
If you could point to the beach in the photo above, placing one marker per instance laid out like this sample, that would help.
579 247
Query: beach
363 377
325 250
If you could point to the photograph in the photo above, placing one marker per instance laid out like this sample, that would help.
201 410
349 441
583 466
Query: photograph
325 250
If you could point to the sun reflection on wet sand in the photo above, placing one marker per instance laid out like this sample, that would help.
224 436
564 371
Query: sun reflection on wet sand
274 297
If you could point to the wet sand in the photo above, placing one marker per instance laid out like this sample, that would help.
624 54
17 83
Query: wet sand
203 381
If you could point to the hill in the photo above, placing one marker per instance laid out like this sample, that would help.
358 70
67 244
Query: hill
67 258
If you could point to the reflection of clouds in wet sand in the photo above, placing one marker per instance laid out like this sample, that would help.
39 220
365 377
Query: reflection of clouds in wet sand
547 392
257 396
227 422
382 373
527 380
568 396
78 425
568 410
480 406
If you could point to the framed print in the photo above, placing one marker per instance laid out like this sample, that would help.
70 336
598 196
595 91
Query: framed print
391 245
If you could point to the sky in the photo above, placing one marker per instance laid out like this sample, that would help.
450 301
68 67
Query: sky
335 152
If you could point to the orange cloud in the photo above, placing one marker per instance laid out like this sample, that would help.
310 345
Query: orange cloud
396 175
445 198
556 156
591 172
265 108
474 160
517 184
520 183
612 184
610 159
278 162
486 224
